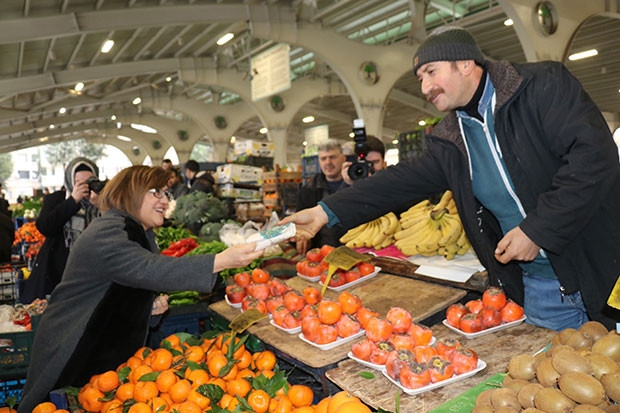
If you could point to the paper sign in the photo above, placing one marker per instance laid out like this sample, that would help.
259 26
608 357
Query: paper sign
342 257
244 320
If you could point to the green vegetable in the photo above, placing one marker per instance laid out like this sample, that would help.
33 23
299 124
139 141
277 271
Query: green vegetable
366 375
211 231
198 208
167 235
212 247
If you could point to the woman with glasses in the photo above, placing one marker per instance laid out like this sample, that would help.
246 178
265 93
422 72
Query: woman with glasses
98 316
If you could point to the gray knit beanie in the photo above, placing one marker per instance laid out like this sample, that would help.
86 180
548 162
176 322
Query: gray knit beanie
447 44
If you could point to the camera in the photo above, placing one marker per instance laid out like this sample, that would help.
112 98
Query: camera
95 185
360 168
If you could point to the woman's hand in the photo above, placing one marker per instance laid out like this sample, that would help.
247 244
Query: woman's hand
236 256
160 305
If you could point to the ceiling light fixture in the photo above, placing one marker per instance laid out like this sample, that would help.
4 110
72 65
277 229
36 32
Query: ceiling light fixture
137 101
62 110
52 126
262 131
79 87
395 142
113 117
107 46
225 39
422 123
308 119
508 22
169 79
123 138
351 135
233 139
304 143
583 55
143 128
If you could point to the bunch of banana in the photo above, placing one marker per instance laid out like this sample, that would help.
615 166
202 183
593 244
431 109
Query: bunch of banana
376 234
429 229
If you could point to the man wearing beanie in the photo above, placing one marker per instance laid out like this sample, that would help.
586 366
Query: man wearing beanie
534 172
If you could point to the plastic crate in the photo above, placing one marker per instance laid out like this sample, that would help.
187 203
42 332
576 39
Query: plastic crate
15 350
11 388
175 323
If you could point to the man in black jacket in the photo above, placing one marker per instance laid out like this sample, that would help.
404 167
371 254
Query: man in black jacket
533 170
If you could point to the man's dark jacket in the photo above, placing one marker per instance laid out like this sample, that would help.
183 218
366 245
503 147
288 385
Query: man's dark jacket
563 163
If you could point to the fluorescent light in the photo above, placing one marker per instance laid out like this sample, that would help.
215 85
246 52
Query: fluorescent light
395 142
43 139
143 128
304 143
136 101
351 135
169 79
119 125
62 110
308 119
52 126
107 46
225 39
233 138
123 138
422 123
508 22
262 131
79 87
583 55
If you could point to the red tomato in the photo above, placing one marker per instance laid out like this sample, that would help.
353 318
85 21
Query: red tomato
310 310
274 302
259 275
292 320
464 360
310 327
490 317
421 334
440 368
381 353
363 349
396 360
279 314
402 341
314 255
424 353
454 314
350 276
470 323
446 346
259 291
326 334
347 325
399 318
414 376
293 301
474 306
242 279
329 311
378 329
311 294
365 268
326 249
235 293
350 303
494 297
511 312
364 314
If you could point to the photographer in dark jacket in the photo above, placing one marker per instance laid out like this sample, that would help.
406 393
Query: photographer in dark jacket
61 220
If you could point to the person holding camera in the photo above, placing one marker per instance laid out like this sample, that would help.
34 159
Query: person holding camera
375 159
62 220
325 183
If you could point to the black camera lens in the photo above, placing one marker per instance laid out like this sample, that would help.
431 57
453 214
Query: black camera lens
95 184
358 170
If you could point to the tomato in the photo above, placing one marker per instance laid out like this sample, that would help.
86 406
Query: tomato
235 293
329 311
293 301
259 291
490 317
365 268
364 314
312 295
326 334
292 320
259 275
414 376
470 323
350 276
464 360
242 279
474 306
511 312
378 329
326 249
494 297
424 353
441 369
314 255
274 302
454 314
396 360
363 349
421 334
381 353
402 341
277 287
399 318
310 310
309 327
350 303
347 325
446 346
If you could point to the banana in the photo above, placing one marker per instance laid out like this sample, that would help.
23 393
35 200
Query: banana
452 207
451 229
431 242
379 235
423 205
406 223
414 229
407 244
375 229
443 202
393 224
352 233
361 239
462 240
462 250
451 251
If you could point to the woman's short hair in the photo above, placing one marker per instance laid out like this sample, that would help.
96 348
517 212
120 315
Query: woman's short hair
125 192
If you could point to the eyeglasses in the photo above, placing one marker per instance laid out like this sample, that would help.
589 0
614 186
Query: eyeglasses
160 193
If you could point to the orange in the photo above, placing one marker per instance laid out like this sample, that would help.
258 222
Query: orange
353 407
145 391
158 405
89 397
232 373
216 363
199 399
165 380
234 402
304 409
225 400
138 372
140 407
197 377
265 360
267 373
62 411
245 360
113 406
195 353
241 374
280 404
218 381
45 407
300 395
160 359
238 387
259 401
179 390
142 352
338 399
321 406
133 362
124 392
189 407
108 381
173 339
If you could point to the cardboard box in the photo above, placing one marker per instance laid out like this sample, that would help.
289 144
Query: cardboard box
230 191
254 148
235 173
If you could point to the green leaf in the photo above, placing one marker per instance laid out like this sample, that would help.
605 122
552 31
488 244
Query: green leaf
367 375
211 391
124 373
273 384
149 376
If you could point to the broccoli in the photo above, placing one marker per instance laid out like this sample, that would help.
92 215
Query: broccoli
199 208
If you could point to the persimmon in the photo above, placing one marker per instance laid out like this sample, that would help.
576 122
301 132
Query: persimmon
242 279
347 326
399 318
326 250
350 303
292 320
402 341
446 346
378 329
511 312
329 311
494 297
364 314
365 268
464 360
312 295
293 301
440 369
278 287
310 310
424 353
274 302
259 275
314 255
363 349
474 306
414 376
326 334
310 327
421 334
381 352
454 313
396 360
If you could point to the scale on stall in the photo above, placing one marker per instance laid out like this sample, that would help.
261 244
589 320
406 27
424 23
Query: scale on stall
344 258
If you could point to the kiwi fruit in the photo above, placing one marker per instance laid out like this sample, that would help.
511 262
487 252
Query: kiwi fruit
484 397
601 364
527 393
546 374
564 335
532 410
594 330
587 408
612 408
552 400
522 367
505 397
506 409
608 345
570 360
582 387
579 341
611 384
556 348
483 408
514 384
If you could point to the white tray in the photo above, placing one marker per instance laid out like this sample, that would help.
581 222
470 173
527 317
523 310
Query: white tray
286 330
354 283
339 341
238 305
484 332
311 279
379 367
481 365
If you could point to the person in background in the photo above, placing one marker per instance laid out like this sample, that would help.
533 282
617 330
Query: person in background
322 184
198 180
109 286
375 156
167 164
7 234
4 203
63 217
175 184
533 170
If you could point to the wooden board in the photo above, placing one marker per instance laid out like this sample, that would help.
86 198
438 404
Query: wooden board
495 349
380 293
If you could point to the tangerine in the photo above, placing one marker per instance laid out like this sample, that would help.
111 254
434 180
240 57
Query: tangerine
124 392
179 390
265 360
145 391
45 407
140 407
238 387
189 407
339 399
113 406
304 409
197 377
160 359
138 372
259 400
108 381
300 395
165 380
199 399
216 363
280 404
195 353
321 406
353 407
90 398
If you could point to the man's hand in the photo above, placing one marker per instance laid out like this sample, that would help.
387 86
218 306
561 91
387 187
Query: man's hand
307 222
345 173
516 246
302 246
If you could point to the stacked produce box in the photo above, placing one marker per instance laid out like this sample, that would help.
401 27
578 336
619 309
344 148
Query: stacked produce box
280 190
241 183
